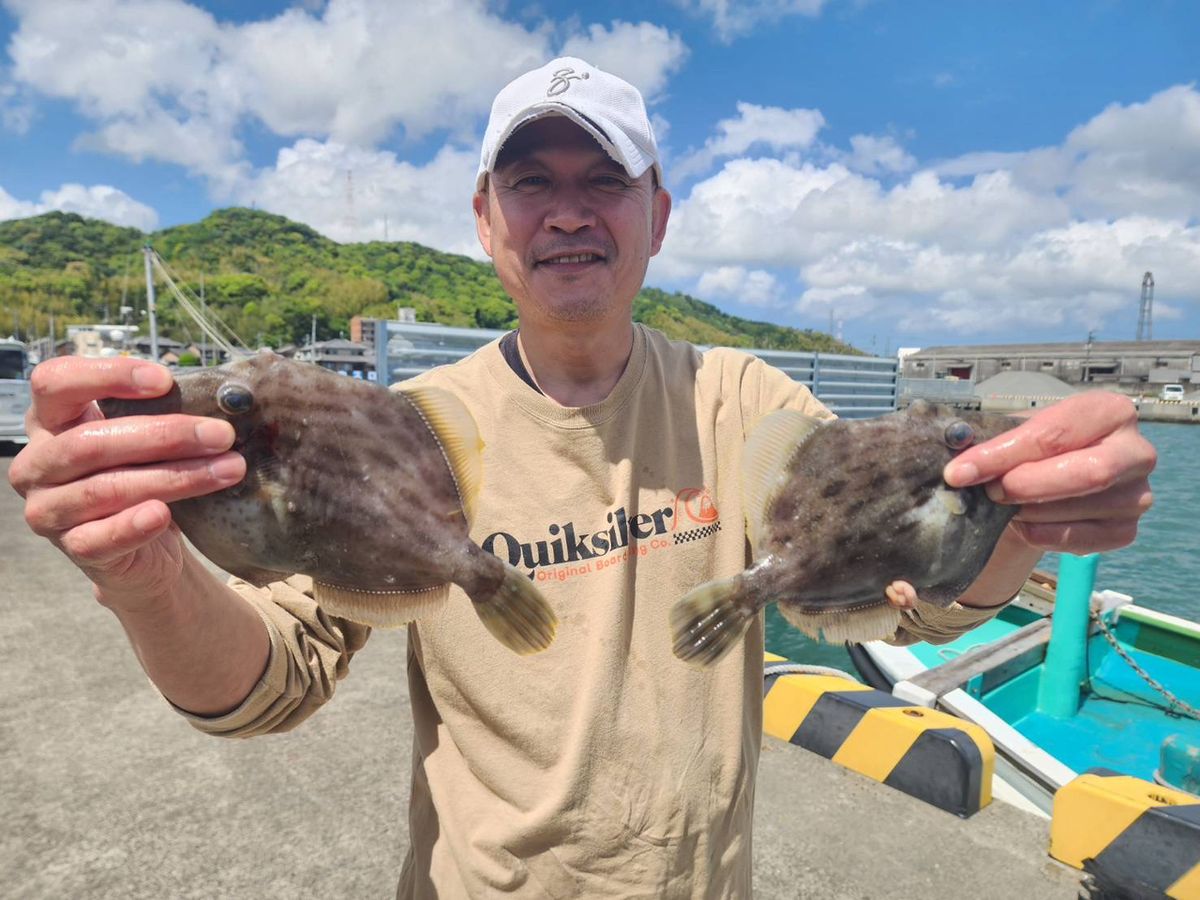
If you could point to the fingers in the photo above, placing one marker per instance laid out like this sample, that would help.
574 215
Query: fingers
1123 501
1075 423
1079 536
63 388
102 444
1118 459
99 544
55 510
1090 524
901 594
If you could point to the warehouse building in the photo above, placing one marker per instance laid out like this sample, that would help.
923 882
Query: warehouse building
1133 367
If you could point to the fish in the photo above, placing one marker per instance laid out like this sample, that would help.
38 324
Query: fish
368 491
837 510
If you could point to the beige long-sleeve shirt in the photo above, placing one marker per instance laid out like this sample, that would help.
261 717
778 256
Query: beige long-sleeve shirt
602 766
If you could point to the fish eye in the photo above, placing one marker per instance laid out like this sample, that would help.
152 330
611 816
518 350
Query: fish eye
959 435
234 400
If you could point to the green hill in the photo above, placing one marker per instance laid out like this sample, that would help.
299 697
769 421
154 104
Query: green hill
266 277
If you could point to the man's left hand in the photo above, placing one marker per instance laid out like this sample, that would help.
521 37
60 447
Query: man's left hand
1079 469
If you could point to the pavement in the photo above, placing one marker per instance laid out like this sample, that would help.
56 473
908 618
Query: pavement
106 793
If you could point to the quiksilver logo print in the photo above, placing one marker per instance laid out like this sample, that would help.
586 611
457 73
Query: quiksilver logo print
567 550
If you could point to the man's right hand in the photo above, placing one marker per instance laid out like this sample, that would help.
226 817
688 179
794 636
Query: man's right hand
98 488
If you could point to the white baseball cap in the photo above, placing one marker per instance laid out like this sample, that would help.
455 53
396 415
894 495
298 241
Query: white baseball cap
609 108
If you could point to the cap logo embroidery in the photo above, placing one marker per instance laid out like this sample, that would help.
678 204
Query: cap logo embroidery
562 80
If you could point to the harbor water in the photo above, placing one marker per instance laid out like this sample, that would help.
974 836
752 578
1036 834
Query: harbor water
1160 570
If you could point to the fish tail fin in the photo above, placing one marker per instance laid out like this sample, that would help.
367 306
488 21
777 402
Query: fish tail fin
709 620
517 614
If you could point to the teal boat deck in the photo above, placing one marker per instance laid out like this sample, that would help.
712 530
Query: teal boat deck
1121 722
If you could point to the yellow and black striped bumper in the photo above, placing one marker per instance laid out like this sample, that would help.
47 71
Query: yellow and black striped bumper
1135 838
934 756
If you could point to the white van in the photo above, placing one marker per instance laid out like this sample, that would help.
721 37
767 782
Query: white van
1171 392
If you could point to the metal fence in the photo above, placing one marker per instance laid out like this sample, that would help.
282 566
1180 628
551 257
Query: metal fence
854 387
937 390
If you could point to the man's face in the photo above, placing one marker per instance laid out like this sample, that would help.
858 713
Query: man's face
569 231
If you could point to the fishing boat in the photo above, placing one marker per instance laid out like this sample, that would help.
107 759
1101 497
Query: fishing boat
1065 679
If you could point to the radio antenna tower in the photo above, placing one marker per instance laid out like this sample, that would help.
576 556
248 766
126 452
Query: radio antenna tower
1146 311
350 222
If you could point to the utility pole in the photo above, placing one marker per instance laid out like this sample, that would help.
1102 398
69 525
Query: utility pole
151 308
204 316
1146 310
312 340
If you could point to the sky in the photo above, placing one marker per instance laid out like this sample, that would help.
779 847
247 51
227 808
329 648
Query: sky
903 173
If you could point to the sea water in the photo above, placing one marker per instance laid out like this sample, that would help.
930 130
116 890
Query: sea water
1160 570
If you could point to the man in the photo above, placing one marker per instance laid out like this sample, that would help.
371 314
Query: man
602 766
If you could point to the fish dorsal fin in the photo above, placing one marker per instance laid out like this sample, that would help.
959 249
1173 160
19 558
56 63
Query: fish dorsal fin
454 427
765 458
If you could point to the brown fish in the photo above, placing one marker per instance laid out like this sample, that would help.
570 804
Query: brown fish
368 491
836 512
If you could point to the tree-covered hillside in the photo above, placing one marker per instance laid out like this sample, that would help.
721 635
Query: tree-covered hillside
266 277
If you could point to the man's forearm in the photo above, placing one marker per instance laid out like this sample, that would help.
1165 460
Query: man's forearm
1005 573
204 646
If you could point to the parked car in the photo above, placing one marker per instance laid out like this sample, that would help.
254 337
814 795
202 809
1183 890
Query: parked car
1171 392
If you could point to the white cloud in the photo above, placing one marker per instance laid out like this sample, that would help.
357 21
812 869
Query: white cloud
1143 158
351 71
12 208
359 70
877 154
754 287
163 80
98 201
764 127
430 204
733 18
17 110
644 54
199 144
986 243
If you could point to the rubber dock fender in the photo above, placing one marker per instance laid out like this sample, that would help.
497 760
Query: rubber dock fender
927 753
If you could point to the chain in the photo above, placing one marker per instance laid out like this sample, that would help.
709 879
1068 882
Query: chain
1175 703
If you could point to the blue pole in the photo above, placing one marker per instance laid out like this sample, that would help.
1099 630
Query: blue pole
1066 657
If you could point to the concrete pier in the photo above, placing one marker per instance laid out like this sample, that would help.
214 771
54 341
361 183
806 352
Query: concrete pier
106 793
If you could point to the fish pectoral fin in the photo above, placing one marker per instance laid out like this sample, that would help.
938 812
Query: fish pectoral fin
455 429
709 620
765 458
952 500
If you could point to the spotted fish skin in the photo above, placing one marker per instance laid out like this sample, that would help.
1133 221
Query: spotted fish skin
839 512
362 488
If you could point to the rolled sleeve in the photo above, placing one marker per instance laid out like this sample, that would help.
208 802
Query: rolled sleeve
310 653
940 625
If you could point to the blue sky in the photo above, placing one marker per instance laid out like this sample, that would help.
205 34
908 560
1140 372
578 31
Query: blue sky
911 172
